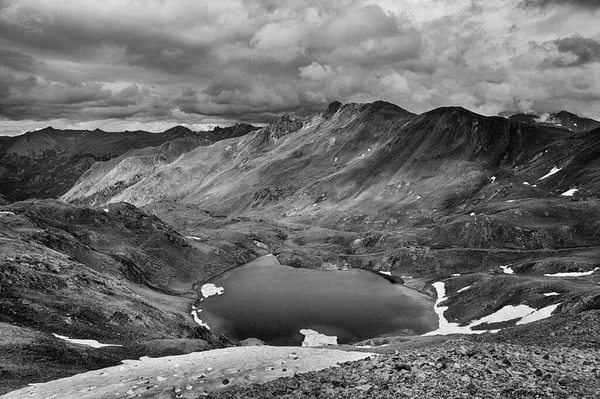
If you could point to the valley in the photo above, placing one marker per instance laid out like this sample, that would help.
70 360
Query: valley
501 211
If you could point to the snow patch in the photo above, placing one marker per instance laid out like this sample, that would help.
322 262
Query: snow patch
314 338
551 293
525 313
507 270
455 275
194 238
508 312
472 214
526 183
509 201
572 274
210 289
569 193
386 273
87 342
105 210
493 179
463 289
445 327
553 171
198 321
539 314
7 213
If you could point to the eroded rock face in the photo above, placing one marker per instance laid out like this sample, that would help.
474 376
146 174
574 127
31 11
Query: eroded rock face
284 126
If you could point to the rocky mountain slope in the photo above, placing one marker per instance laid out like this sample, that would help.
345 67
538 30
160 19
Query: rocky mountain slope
47 162
117 275
446 191
561 120
502 213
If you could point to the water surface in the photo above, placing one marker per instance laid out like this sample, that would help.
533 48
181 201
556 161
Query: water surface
266 300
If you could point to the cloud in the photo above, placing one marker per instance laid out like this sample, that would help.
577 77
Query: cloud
256 60
576 51
16 60
592 4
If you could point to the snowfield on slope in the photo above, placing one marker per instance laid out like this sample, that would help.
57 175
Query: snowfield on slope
525 313
192 375
86 342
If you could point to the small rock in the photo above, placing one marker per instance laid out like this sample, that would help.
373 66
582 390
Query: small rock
364 387
472 387
403 366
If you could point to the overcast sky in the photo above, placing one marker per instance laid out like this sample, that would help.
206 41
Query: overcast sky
152 64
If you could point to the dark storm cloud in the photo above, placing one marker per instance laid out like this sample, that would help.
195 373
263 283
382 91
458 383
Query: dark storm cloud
253 60
581 50
593 4
16 60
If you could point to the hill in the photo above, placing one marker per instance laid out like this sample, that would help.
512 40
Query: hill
488 214
47 162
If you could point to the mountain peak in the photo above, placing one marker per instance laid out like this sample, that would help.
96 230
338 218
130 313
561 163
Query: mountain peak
332 109
562 119
284 125
178 130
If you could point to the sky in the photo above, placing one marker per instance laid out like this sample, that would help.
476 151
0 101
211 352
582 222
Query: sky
152 64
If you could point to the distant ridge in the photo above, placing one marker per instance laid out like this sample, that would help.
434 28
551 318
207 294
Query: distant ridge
562 119
45 163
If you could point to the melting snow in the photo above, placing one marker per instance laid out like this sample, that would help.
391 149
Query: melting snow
551 293
314 338
507 270
540 314
570 192
525 313
508 312
572 274
195 312
553 171
87 342
463 289
210 290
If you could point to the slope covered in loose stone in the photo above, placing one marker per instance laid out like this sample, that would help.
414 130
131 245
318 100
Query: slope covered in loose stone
117 275
47 162
374 177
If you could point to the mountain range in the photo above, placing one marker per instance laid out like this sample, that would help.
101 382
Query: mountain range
119 230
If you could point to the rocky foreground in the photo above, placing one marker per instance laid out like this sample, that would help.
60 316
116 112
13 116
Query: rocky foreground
456 368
